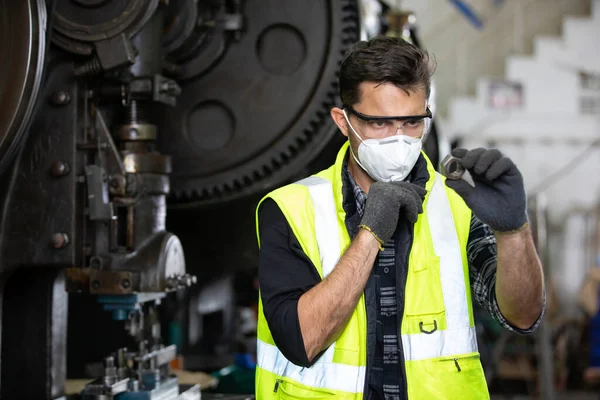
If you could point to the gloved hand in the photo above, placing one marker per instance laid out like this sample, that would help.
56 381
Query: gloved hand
498 198
386 202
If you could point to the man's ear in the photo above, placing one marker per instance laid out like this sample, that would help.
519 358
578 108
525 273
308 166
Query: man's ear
337 114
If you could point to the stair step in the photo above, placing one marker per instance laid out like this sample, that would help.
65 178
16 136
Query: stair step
547 47
519 67
542 77
580 33
465 112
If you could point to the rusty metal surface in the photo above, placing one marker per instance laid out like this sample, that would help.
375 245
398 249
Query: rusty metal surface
111 282
149 163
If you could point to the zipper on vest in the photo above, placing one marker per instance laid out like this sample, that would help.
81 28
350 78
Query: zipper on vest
457 365
276 388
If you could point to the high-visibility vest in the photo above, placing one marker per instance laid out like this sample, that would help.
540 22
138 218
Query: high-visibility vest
438 335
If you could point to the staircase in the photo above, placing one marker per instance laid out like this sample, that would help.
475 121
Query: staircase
464 53
556 119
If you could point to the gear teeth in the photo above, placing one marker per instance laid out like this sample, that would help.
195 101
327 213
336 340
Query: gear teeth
189 194
349 34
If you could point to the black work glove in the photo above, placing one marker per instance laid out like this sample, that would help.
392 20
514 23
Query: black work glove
498 198
386 202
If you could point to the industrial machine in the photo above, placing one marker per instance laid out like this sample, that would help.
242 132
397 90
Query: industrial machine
113 111
110 110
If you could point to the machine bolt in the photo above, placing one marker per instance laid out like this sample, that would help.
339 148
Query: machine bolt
60 168
59 240
95 262
95 285
125 283
60 98
187 280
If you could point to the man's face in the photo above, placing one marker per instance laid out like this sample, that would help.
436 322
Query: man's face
383 100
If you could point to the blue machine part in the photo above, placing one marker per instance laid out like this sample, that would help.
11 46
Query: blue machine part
122 305
244 360
468 12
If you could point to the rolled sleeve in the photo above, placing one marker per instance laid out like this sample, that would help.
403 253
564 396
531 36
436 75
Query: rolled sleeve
285 273
483 261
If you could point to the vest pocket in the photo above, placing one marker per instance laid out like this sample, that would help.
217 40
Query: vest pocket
287 389
461 362
462 376
424 310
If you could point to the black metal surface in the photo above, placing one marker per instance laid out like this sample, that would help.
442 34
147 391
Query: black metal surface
267 71
80 23
37 204
261 113
22 29
34 339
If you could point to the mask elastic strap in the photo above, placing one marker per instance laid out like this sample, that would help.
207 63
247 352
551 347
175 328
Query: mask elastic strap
351 127
350 144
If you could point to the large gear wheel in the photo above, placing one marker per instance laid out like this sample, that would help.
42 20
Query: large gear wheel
23 51
261 112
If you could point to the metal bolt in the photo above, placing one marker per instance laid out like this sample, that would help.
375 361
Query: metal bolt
95 285
95 262
60 168
109 362
60 98
59 240
125 283
187 280
172 283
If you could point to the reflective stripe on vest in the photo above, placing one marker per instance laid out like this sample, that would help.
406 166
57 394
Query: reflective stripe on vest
458 337
325 221
323 374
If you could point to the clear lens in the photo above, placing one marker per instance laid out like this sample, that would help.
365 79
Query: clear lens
384 128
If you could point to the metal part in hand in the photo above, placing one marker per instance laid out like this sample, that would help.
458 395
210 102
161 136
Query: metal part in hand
451 168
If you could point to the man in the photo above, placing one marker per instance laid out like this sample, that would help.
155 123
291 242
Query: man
366 269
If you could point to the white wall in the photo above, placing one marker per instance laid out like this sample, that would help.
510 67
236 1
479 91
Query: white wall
551 129
465 54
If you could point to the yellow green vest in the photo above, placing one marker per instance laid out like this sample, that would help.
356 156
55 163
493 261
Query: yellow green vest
438 334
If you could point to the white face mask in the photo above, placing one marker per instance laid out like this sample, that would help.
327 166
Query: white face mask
387 160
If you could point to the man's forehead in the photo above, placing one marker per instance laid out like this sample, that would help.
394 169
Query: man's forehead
387 99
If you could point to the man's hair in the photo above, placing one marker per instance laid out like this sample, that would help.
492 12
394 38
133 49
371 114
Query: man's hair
384 60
